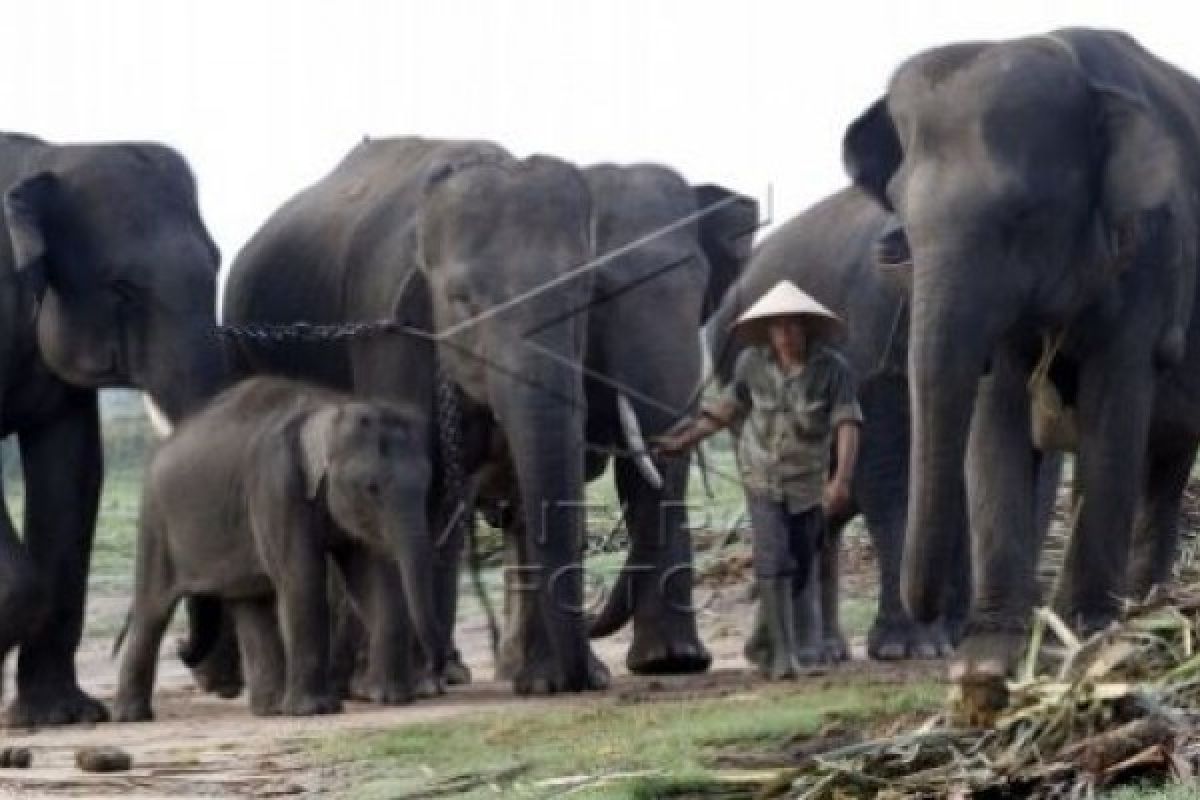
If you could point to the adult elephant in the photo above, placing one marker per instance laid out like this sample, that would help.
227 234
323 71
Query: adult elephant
481 257
668 253
1048 189
107 279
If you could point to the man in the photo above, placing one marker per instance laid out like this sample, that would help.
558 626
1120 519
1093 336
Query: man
791 400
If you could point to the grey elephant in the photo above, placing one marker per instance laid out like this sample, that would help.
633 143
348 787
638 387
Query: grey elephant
1047 187
474 256
250 500
670 251
852 256
109 280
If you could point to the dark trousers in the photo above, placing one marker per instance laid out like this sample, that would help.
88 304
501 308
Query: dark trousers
785 543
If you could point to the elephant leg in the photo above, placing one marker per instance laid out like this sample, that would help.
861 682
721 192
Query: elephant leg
665 638
757 650
827 580
518 610
153 604
262 650
299 573
22 603
524 649
348 640
807 616
1156 535
1114 414
63 466
1000 493
220 671
375 585
448 556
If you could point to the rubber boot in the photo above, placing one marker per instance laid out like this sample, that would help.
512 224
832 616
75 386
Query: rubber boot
775 600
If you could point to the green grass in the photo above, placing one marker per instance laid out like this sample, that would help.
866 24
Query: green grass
1154 793
671 738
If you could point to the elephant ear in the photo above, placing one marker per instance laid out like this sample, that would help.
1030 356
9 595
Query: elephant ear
726 236
27 208
316 439
1142 205
871 151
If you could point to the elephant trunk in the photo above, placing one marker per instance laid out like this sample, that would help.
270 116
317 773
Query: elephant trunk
412 551
949 345
185 376
541 416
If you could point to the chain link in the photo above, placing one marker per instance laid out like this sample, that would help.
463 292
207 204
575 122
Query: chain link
308 332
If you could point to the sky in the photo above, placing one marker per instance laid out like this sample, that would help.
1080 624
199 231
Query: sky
263 98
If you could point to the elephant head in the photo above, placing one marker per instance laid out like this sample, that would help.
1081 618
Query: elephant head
119 270
501 242
1029 176
372 465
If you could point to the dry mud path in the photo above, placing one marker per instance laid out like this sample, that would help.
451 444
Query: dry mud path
203 746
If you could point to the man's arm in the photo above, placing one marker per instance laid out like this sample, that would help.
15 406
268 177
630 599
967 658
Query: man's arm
837 491
713 419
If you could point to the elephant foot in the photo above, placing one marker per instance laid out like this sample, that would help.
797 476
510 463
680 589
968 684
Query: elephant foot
270 705
139 710
456 672
834 648
783 668
684 655
390 694
757 650
308 705
54 706
986 654
902 639
220 672
427 688
538 677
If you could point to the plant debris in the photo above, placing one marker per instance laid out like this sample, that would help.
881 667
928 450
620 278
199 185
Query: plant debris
1121 706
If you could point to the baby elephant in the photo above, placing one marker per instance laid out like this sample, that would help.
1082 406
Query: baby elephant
249 501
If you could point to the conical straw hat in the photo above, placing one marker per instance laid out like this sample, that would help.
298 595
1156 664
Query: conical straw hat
786 299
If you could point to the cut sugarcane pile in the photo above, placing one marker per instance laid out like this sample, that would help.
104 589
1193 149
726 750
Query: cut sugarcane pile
1120 706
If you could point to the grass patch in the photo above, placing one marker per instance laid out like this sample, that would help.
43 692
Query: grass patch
1181 792
670 737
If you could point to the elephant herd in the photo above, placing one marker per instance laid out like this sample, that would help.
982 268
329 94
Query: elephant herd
440 329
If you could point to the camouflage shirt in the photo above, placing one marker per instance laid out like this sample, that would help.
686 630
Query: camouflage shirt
785 423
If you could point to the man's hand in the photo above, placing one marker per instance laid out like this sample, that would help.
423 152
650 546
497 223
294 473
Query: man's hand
673 443
835 500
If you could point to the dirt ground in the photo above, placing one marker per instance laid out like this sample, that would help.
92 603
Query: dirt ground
202 746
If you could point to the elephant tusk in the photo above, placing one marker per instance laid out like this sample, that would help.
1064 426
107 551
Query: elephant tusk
158 420
636 442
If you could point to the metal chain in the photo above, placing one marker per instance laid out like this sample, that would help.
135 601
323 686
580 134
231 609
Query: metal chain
315 333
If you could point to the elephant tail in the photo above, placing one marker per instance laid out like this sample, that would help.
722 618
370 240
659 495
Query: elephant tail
119 639
618 608
204 628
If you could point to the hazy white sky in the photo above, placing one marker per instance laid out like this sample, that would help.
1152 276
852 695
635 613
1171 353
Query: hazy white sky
264 97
